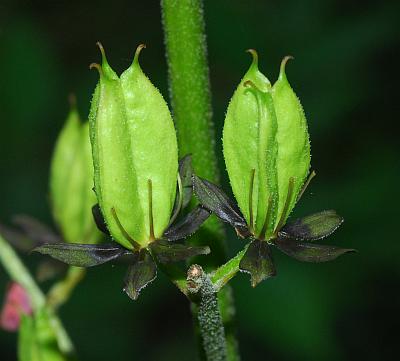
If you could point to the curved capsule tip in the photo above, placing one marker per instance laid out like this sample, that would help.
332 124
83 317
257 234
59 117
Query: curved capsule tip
96 66
103 53
137 53
254 55
282 72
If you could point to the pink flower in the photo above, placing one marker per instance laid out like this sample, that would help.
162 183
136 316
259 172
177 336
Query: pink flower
16 303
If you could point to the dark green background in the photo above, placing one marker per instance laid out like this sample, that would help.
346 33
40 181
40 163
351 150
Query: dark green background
346 74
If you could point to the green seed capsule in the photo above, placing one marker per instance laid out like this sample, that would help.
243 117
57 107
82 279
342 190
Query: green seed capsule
135 155
250 149
266 149
71 182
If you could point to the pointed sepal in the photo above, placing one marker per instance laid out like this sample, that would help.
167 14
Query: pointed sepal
310 252
258 262
140 273
188 225
167 252
313 227
185 188
185 172
215 200
82 255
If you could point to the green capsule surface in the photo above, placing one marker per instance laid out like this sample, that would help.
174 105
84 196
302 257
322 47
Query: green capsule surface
71 182
293 143
250 149
266 149
135 155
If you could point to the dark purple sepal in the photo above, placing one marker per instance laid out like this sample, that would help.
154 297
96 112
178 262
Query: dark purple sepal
186 172
140 273
99 219
167 252
258 262
310 252
215 200
82 255
313 227
188 225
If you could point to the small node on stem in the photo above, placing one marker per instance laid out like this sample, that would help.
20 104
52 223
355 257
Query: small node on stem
194 278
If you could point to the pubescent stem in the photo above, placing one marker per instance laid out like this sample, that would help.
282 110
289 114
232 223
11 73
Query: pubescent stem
20 274
209 317
186 51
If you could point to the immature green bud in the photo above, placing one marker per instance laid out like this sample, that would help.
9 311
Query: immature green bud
71 182
266 149
135 155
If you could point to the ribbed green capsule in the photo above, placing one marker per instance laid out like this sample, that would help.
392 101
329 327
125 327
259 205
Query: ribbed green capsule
250 149
135 155
266 149
71 182
294 155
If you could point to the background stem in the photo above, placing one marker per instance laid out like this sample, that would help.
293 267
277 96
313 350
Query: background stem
20 274
189 86
61 291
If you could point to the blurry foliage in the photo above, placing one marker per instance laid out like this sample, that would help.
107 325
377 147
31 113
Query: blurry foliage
344 70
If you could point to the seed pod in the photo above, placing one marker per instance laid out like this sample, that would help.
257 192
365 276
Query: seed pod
134 153
266 149
293 144
250 150
71 182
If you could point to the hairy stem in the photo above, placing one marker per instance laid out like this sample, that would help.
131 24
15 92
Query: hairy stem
20 274
208 314
190 95
189 84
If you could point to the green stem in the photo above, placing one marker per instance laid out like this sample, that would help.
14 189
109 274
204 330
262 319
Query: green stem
186 52
223 274
189 82
20 274
61 291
